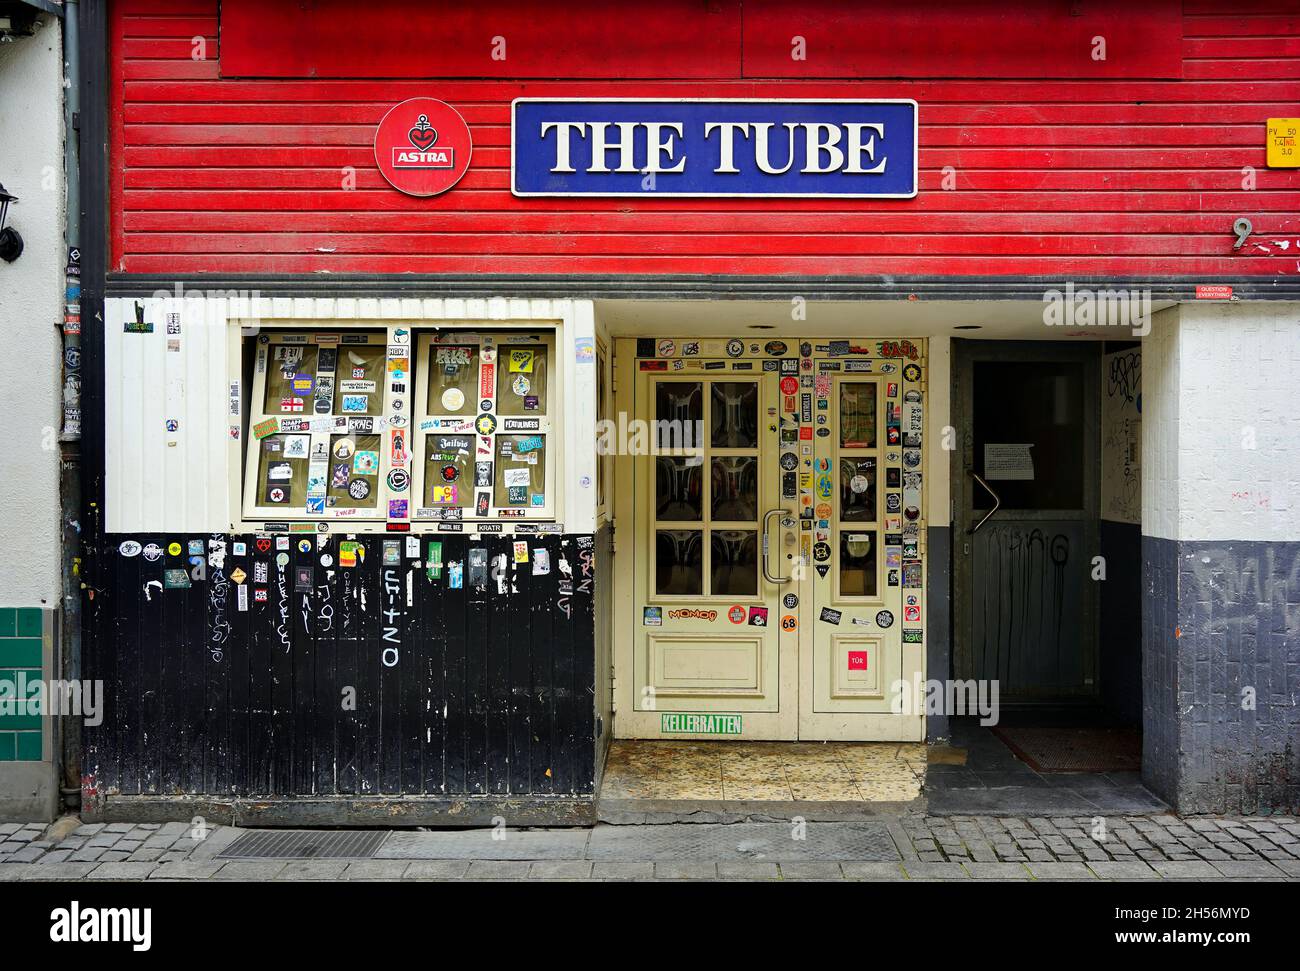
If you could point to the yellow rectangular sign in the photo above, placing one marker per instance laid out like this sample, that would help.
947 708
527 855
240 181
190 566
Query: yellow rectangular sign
1284 143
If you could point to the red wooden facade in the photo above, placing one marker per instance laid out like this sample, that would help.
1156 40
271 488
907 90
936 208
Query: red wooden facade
1139 172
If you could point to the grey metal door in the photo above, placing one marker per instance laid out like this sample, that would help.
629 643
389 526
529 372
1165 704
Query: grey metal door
1025 525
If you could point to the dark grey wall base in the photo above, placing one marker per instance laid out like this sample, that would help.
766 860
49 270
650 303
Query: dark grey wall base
388 813
938 618
1220 643
29 792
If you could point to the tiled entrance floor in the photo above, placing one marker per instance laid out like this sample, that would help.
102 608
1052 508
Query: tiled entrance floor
762 771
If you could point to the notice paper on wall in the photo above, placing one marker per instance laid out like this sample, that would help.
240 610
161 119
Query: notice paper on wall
1008 462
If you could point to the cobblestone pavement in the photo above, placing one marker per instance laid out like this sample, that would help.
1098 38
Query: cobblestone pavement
1153 847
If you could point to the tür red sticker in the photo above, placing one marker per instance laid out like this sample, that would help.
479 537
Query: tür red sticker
422 147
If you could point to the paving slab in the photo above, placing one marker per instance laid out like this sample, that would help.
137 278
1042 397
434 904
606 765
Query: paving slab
811 870
936 871
1253 870
376 870
1186 869
997 871
1060 871
686 871
479 844
122 871
249 870
498 870
560 870
622 870
761 842
436 870
57 871
872 871
312 870
184 871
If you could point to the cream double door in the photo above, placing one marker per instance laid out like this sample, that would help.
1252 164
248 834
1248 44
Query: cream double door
755 602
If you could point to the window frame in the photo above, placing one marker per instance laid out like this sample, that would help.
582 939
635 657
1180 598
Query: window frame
408 405
548 427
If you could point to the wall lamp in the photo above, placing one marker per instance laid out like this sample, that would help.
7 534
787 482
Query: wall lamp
11 243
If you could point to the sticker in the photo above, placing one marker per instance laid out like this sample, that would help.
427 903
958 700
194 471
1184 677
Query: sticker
830 616
485 424
264 428
736 614
735 347
693 613
652 616
911 372
303 579
758 617
359 489
789 622
790 601
913 636
304 546
129 548
398 480
453 399
398 509
884 619
365 463
541 562
174 549
857 660
521 551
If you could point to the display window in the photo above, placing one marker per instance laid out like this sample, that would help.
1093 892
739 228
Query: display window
480 445
385 425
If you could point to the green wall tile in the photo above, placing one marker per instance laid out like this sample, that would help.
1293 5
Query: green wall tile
21 652
8 747
28 746
30 622
8 621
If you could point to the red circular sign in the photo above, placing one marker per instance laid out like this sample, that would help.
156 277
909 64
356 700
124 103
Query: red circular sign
423 147
789 385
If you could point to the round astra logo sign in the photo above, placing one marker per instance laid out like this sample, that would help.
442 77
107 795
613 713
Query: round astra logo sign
398 480
423 146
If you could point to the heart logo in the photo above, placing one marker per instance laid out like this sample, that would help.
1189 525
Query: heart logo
263 545
422 136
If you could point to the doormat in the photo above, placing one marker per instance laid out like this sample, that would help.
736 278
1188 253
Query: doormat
1075 749
304 844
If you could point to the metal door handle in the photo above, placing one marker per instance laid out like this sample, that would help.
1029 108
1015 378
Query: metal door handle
766 545
997 503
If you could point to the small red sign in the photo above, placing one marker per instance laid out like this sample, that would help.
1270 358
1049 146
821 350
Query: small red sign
789 385
422 147
1216 291
857 660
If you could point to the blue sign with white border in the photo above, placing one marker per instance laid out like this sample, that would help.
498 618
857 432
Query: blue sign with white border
714 148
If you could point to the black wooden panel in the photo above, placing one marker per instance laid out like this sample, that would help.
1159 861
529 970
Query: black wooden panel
491 692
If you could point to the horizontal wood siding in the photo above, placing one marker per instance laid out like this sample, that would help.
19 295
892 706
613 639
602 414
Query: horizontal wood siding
1102 177
492 695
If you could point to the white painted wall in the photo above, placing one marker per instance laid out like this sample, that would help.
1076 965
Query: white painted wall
1221 423
1121 436
938 405
31 316
188 481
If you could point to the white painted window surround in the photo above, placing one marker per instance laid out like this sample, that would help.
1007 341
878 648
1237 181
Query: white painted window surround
187 476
